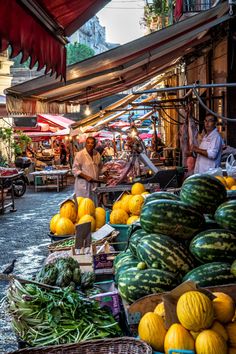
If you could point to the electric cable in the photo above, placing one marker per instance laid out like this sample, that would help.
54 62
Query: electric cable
209 110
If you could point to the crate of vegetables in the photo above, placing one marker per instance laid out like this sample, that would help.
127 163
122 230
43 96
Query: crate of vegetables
62 245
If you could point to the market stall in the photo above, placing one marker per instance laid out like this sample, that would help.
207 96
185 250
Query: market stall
170 261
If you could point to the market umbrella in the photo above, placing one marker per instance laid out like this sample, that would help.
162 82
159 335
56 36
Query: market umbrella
145 136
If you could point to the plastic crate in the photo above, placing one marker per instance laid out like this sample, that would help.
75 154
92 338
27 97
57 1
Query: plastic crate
121 241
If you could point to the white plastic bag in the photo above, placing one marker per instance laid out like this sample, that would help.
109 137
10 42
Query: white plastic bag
231 166
215 171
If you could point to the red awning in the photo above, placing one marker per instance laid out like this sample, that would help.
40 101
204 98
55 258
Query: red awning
118 69
38 29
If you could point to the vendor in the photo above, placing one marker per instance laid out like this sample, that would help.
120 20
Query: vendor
86 168
108 152
210 148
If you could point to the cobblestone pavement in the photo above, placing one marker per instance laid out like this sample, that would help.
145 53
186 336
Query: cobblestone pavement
24 236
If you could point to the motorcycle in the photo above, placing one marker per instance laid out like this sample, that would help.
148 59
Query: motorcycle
15 178
20 184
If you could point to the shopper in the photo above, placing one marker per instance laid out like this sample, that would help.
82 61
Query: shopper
63 154
86 168
210 148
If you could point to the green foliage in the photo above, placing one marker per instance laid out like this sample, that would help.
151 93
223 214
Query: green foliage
77 52
159 8
13 147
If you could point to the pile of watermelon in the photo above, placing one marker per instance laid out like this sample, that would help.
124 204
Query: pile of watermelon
186 237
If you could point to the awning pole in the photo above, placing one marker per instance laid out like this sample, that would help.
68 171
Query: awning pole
187 87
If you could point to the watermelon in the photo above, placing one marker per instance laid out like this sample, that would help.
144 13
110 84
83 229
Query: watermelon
161 251
172 218
225 215
215 273
135 283
161 195
125 266
134 240
122 257
203 192
214 245
231 194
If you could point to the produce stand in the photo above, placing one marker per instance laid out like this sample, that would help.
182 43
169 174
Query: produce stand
53 179
117 190
5 186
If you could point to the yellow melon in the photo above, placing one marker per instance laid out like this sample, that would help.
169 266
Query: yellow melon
100 217
137 188
178 337
118 216
86 207
224 307
151 329
222 180
231 331
218 328
210 342
230 181
125 202
88 218
117 205
132 219
160 310
53 223
79 200
135 204
64 227
233 188
68 210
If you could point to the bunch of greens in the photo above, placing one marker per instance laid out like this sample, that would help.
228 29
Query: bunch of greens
45 317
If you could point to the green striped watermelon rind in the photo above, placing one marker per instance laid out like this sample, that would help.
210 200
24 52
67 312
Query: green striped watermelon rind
161 195
171 218
214 245
204 192
231 195
134 240
215 273
135 283
225 215
162 252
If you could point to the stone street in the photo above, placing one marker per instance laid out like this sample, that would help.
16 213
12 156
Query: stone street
24 237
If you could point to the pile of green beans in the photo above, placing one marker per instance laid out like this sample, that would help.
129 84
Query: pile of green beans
43 317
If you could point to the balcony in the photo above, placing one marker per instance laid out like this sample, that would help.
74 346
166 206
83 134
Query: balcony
196 6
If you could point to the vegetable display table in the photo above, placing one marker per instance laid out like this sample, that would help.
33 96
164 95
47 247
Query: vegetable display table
50 179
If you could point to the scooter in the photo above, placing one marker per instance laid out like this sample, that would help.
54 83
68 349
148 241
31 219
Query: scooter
20 183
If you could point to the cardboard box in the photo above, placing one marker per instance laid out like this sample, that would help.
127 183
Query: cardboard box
109 297
135 311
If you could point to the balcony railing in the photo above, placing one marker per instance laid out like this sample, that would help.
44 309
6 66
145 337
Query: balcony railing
196 6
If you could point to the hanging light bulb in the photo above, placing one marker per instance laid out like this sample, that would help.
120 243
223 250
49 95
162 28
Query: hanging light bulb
87 109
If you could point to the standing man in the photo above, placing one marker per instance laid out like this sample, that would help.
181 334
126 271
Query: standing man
210 148
86 168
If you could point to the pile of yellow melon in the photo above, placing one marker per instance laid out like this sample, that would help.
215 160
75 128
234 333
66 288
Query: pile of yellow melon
68 217
205 326
228 181
127 210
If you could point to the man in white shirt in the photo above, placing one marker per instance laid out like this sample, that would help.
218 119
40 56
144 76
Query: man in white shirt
86 168
210 148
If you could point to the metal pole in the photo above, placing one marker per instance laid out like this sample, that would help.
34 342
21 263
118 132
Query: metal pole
187 87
